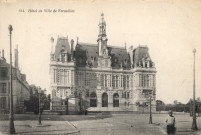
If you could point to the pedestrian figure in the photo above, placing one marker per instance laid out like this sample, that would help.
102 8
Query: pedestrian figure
170 122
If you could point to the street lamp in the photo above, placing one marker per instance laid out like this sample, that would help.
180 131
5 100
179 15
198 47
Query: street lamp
150 117
80 96
11 118
66 105
39 118
194 125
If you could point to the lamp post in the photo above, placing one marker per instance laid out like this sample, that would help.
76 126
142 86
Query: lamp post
150 117
39 118
67 105
194 125
11 118
80 95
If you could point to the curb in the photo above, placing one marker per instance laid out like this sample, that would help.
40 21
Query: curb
44 133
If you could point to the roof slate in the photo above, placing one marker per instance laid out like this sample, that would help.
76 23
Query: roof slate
62 44
139 53
88 53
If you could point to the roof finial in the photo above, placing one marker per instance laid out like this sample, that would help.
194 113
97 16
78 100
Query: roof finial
52 39
125 45
102 14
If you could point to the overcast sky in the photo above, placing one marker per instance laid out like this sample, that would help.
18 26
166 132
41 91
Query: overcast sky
171 30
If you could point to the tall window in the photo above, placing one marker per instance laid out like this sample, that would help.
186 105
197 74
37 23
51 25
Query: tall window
54 75
121 81
102 80
128 95
113 81
127 81
110 80
65 76
147 80
140 80
117 81
3 103
58 76
87 79
61 76
106 81
3 87
154 80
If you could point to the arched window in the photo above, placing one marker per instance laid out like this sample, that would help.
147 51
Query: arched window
116 100
104 100
93 100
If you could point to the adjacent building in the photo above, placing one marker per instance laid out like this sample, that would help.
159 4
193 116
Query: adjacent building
21 91
101 77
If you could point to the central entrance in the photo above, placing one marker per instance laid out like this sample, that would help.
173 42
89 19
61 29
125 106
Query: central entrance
104 100
116 100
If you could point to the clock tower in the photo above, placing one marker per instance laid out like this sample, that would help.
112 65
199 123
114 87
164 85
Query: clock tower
102 37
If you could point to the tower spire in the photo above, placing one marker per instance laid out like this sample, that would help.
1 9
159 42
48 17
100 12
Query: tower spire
102 37
102 26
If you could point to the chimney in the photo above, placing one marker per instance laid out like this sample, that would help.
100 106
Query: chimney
72 48
3 55
72 45
77 40
131 55
52 45
16 57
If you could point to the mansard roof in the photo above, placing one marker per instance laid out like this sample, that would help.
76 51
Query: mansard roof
88 53
3 63
62 45
141 53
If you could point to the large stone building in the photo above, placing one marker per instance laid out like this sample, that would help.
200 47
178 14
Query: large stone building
101 77
21 91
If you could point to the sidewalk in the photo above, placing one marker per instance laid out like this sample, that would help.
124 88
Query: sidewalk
29 127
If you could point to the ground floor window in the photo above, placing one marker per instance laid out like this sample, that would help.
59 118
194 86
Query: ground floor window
104 100
116 100
93 100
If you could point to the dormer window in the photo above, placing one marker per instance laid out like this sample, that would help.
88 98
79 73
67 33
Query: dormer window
115 60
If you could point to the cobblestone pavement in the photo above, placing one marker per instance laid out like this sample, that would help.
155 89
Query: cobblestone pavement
135 124
32 128
118 124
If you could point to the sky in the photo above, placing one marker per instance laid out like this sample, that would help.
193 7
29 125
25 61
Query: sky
171 30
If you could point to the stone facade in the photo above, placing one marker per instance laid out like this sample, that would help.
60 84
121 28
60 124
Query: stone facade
20 86
100 77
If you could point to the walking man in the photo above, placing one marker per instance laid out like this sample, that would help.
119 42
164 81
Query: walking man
170 122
